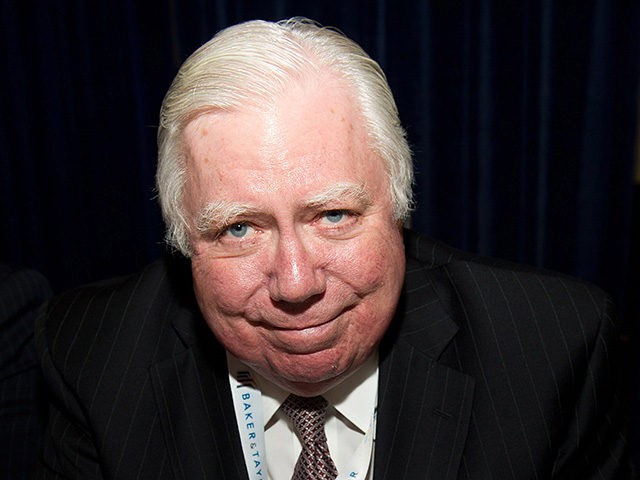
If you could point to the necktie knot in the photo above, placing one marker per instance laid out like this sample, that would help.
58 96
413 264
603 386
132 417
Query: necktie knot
308 416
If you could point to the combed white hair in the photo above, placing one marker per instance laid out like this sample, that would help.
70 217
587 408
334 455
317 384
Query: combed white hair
254 62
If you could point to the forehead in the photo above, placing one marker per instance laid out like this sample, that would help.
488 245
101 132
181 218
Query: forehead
311 135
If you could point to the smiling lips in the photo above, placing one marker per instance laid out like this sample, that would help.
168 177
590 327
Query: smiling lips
305 337
291 323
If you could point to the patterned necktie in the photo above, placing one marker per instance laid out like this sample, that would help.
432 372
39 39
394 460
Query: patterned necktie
307 416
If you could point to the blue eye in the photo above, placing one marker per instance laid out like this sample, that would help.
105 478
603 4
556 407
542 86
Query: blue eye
238 230
334 216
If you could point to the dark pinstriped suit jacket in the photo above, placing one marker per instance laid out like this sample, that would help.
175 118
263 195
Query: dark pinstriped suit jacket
490 371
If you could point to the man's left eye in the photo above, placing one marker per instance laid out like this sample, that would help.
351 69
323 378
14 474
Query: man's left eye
334 216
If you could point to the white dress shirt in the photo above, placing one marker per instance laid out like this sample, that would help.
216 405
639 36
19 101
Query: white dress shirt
350 416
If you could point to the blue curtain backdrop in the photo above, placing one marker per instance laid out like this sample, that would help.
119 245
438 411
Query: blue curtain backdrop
521 115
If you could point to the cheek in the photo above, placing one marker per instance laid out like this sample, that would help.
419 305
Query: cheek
370 265
223 292
224 285
379 281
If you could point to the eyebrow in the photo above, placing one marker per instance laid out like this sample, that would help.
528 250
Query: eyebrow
221 213
340 192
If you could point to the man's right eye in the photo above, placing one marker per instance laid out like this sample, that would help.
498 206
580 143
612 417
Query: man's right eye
237 230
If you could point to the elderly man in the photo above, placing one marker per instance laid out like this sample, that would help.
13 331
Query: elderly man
302 333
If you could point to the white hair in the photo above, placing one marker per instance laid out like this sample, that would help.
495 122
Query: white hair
254 62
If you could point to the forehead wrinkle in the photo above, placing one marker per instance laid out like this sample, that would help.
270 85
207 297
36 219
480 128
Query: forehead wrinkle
221 212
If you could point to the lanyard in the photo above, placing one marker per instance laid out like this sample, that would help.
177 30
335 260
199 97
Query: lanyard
247 402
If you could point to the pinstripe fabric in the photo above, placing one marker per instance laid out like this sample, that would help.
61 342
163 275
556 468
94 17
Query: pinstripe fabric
506 373
489 371
21 293
135 375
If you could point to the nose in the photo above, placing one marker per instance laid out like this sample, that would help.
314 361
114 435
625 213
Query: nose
296 275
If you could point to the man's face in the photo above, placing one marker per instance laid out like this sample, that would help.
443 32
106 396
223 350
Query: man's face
297 262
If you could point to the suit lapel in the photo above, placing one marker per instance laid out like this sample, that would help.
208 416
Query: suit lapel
195 406
424 406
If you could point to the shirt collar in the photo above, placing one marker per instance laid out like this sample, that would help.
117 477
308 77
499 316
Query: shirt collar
356 397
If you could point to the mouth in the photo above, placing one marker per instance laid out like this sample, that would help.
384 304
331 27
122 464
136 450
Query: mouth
298 323
304 341
304 337
303 327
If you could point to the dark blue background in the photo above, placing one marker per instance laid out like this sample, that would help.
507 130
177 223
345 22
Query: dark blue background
521 115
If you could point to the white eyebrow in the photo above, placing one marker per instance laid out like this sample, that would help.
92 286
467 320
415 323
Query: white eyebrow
221 213
340 192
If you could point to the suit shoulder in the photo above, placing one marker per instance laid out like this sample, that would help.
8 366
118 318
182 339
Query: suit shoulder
120 313
432 253
534 283
501 287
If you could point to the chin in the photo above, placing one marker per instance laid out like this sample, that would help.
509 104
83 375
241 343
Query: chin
312 387
308 376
